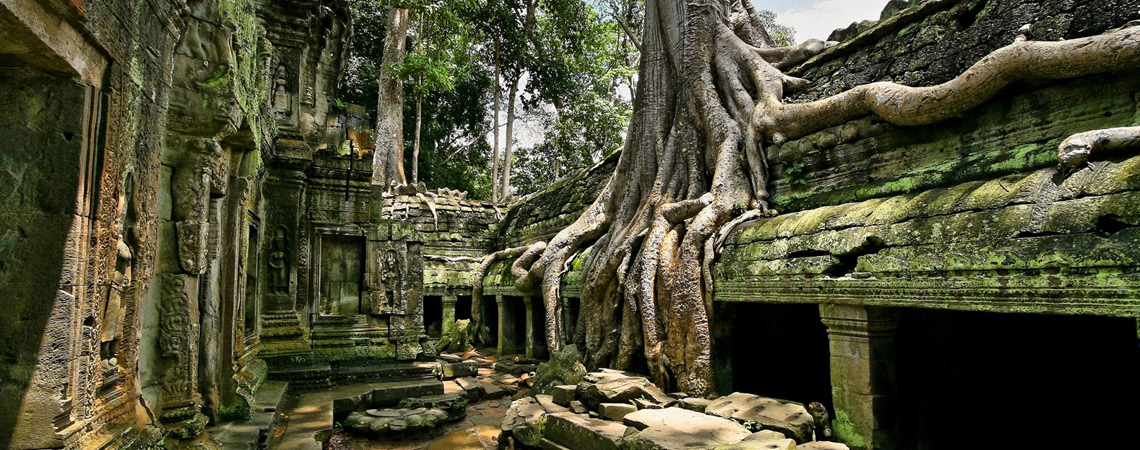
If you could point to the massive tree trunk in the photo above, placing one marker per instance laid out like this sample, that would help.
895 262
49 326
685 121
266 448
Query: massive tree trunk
709 97
388 158
685 168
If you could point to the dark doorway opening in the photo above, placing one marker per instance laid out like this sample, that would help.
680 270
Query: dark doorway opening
463 307
490 331
433 315
774 350
989 380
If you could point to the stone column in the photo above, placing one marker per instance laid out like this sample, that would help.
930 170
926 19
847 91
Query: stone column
448 302
507 341
567 321
863 374
531 341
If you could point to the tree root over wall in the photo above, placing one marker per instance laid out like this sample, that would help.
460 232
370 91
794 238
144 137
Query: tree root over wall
709 99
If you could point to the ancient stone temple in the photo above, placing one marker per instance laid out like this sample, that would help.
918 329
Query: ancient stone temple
192 253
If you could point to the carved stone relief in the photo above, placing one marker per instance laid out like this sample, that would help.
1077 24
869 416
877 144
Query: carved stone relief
278 261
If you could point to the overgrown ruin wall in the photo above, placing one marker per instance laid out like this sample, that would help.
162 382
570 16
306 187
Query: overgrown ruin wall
131 191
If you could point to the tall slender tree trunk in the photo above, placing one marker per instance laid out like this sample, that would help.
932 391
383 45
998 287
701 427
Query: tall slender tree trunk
388 158
495 130
508 144
416 147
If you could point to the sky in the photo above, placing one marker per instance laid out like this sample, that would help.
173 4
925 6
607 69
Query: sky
817 18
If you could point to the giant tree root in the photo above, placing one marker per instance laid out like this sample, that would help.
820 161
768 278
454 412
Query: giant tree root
1075 151
477 288
708 101
903 105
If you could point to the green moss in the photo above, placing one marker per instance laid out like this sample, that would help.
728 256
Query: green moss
845 430
250 75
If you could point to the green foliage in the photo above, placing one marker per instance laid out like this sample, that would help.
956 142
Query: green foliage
582 62
796 175
782 35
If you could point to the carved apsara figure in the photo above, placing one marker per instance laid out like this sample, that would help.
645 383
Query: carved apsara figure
279 263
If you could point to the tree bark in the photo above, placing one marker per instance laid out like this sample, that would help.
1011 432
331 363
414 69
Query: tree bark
495 130
388 158
416 146
707 103
508 144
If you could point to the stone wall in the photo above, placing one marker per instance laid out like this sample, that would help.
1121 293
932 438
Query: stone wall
136 132
969 214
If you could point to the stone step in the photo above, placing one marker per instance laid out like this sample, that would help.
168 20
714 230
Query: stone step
254 433
382 372
303 377
386 395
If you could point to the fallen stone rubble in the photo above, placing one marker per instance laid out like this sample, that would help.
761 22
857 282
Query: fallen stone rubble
612 410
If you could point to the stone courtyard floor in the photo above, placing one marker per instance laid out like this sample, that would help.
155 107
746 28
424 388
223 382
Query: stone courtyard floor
310 414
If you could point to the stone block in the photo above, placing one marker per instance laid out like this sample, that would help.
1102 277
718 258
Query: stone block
580 432
764 440
459 369
615 411
787 417
547 402
390 394
577 407
822 445
564 394
694 404
523 421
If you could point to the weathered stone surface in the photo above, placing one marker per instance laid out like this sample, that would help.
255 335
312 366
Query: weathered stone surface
694 404
471 386
764 440
384 421
564 368
564 394
524 421
615 411
577 407
547 402
390 394
459 369
822 445
454 404
676 428
492 390
687 421
577 431
784 416
613 386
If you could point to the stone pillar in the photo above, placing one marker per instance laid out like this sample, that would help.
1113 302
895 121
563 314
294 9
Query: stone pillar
448 302
531 334
507 341
863 374
567 321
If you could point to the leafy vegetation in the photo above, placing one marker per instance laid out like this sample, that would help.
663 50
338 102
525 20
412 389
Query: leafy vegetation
570 66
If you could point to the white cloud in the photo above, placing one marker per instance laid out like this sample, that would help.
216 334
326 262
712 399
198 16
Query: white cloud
816 19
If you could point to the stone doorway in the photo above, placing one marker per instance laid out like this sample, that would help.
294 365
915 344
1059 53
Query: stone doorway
433 315
342 275
992 380
773 350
